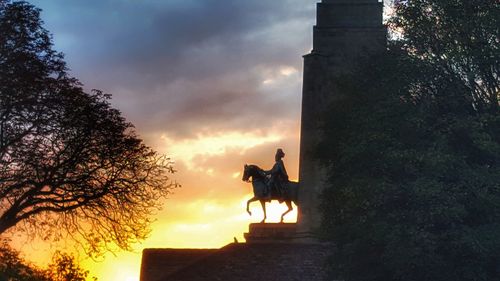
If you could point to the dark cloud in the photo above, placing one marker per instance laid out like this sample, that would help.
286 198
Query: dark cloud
183 66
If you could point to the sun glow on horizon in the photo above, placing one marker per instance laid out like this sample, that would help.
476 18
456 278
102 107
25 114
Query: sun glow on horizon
212 145
209 211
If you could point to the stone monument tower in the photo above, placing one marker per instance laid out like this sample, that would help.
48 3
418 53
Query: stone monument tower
344 31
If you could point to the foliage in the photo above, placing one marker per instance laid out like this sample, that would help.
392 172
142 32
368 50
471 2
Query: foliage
14 268
413 152
64 267
70 164
459 37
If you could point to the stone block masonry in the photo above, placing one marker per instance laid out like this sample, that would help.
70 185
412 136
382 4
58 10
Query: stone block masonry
250 262
345 31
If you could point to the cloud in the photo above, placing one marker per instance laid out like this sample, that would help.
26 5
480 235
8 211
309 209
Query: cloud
185 67
216 145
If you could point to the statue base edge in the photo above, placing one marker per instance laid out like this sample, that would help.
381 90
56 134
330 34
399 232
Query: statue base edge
278 233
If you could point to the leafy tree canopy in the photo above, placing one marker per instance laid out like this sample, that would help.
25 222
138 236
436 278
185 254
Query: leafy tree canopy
63 267
70 165
460 38
12 267
413 151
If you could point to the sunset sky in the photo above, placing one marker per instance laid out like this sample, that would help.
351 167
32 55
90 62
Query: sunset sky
214 84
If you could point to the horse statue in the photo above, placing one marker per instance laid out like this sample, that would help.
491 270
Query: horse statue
260 186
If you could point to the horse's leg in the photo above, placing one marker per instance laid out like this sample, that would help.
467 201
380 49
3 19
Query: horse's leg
253 199
290 208
263 203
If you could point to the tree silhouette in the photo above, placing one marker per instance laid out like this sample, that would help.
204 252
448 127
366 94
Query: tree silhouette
70 164
64 267
460 38
412 151
13 267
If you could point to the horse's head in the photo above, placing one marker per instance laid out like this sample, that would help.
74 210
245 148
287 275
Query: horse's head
252 171
246 173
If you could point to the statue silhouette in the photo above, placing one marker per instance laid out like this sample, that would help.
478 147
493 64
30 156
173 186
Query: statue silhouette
276 186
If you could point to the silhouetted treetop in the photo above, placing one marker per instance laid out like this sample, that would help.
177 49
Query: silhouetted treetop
69 162
460 37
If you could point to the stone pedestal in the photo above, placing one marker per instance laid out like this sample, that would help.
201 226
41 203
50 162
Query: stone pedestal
275 233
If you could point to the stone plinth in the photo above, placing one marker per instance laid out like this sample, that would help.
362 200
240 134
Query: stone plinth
275 233
270 232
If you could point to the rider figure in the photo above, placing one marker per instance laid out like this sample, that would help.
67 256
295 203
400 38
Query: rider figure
279 177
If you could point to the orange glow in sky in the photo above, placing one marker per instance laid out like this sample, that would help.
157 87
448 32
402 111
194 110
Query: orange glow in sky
208 211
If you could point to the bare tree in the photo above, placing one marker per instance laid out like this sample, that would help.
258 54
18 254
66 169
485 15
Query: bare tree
70 164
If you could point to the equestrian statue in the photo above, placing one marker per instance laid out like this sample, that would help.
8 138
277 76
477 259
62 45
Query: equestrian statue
271 185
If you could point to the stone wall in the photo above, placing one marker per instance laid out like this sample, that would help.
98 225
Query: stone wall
250 262
157 264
